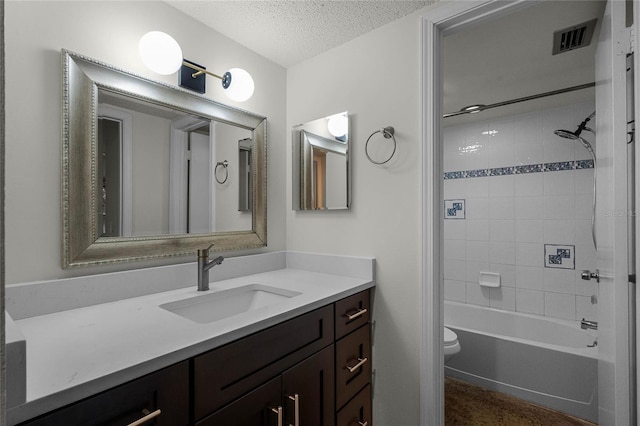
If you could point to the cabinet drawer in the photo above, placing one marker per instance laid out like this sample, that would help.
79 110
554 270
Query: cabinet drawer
167 391
226 373
353 364
358 411
351 313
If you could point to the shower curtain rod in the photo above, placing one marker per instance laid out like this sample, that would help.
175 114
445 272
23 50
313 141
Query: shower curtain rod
515 101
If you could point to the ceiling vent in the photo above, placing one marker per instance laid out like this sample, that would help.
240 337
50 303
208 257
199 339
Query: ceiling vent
573 37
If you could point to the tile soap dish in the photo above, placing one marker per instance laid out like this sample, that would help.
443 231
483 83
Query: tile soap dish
489 279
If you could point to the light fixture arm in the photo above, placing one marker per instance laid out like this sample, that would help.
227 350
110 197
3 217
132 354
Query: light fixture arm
200 71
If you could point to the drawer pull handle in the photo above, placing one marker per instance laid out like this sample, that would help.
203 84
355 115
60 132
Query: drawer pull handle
148 416
296 409
361 362
278 411
363 423
359 313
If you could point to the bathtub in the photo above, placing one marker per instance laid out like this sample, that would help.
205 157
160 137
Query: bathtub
539 359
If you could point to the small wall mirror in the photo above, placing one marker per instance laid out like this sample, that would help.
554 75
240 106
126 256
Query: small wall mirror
151 170
321 164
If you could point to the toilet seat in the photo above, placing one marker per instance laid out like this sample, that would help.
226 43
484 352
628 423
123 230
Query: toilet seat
451 344
450 337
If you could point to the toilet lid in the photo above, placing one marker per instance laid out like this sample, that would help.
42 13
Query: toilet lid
450 337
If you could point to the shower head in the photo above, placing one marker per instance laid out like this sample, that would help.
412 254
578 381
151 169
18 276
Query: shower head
567 134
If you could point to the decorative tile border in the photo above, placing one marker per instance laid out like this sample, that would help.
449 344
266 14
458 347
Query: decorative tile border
518 170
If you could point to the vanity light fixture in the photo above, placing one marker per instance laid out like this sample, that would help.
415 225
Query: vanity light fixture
337 125
162 54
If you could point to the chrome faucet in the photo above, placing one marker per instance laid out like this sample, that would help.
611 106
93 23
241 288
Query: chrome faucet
592 325
204 264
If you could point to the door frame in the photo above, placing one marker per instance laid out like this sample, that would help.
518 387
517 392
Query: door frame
443 19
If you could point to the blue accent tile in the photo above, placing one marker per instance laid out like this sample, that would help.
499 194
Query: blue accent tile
521 169
454 209
559 256
555 259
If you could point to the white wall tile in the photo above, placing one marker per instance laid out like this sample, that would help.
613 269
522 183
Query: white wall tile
503 253
530 301
477 295
559 183
559 232
502 208
502 186
455 269
528 254
455 290
477 251
530 277
583 181
530 231
477 230
560 280
529 208
454 188
455 249
502 230
473 271
477 208
455 229
583 206
529 184
507 273
559 207
477 187
510 218
560 306
503 298
585 309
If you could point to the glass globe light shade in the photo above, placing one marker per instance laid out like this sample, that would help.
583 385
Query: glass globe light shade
241 86
160 52
338 125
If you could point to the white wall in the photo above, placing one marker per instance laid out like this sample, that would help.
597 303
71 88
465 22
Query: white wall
35 32
375 78
509 219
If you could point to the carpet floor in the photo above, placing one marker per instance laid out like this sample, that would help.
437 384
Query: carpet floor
466 404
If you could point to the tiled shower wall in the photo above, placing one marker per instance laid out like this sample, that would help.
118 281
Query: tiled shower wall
522 209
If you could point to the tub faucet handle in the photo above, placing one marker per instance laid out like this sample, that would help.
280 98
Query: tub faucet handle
588 275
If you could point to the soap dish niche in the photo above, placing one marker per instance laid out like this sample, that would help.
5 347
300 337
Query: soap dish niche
489 279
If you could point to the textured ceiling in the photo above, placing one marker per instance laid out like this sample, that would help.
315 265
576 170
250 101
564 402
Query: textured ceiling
288 32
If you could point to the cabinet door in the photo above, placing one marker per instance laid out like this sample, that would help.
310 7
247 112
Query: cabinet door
162 397
309 388
260 407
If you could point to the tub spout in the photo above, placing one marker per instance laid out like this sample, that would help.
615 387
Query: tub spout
591 325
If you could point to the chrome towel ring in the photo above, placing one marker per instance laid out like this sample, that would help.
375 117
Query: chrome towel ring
388 133
224 164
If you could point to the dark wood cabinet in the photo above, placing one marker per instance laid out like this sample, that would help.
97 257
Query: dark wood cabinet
308 388
312 370
353 360
260 407
161 397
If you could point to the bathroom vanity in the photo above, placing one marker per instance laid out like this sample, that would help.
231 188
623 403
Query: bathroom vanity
303 359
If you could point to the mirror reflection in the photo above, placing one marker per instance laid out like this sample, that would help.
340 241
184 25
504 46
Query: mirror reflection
151 170
321 154
156 169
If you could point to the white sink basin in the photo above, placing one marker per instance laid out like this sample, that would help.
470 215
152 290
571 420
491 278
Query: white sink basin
218 305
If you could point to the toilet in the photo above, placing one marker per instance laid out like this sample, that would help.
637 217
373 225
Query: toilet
451 344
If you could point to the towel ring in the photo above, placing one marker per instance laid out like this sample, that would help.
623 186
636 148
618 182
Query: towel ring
388 133
224 164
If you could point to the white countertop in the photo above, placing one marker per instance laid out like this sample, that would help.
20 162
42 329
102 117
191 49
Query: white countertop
76 353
